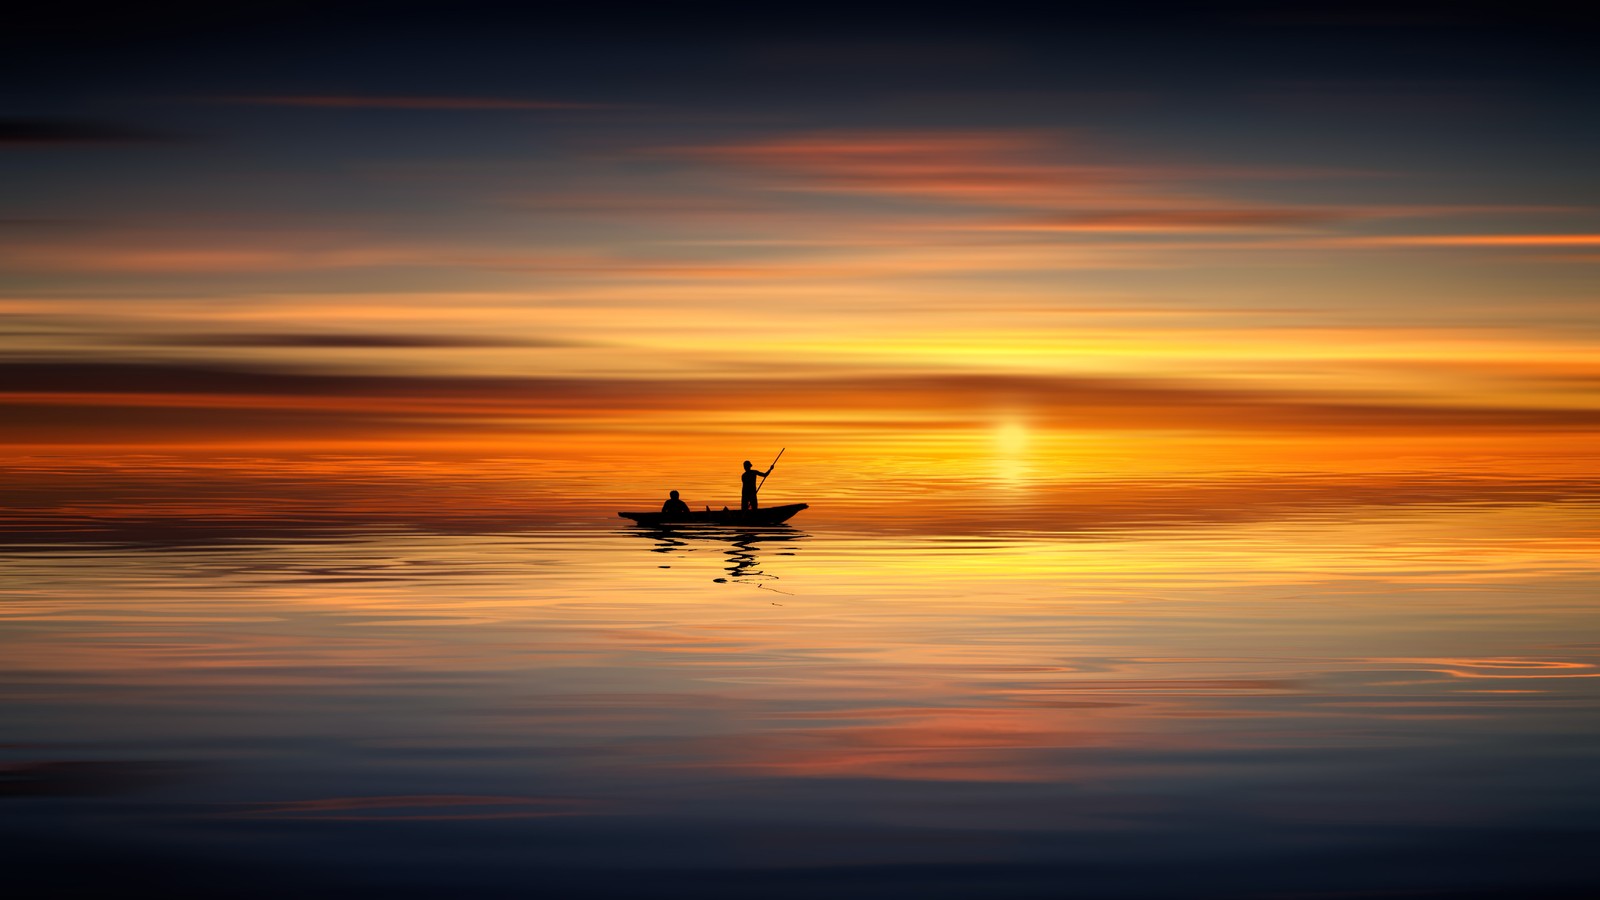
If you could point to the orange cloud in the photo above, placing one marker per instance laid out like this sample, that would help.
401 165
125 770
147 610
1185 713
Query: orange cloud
1472 240
1035 170
1177 220
1008 168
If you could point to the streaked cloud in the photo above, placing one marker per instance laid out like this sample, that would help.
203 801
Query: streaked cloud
221 254
1512 241
346 340
1177 220
71 132
933 402
371 101
418 808
1067 185
990 167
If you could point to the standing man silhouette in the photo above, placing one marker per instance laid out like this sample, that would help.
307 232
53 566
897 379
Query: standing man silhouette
747 497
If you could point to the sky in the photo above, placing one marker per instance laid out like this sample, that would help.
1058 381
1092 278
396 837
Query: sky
1004 247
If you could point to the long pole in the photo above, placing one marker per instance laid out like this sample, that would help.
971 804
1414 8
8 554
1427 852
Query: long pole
770 468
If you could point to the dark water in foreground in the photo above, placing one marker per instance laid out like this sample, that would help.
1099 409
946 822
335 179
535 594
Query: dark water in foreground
1396 703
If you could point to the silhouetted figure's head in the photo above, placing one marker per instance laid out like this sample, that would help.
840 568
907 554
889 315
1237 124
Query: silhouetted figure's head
674 495
747 464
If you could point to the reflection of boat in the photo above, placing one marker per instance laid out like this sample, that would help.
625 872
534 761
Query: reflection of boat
767 515
742 546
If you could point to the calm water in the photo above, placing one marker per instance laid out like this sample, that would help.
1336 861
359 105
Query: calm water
1383 702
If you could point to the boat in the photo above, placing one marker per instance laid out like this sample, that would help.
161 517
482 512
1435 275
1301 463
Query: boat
766 515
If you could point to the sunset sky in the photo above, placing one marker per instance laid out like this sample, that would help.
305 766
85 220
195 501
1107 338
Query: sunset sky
1017 248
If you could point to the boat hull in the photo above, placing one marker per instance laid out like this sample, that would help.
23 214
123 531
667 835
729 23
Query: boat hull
767 515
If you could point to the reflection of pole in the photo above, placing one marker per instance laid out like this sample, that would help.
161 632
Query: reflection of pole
770 468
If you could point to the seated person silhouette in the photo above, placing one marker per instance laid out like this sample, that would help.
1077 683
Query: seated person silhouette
747 497
675 507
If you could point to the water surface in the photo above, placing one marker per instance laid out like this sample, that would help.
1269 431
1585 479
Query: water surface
1384 701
